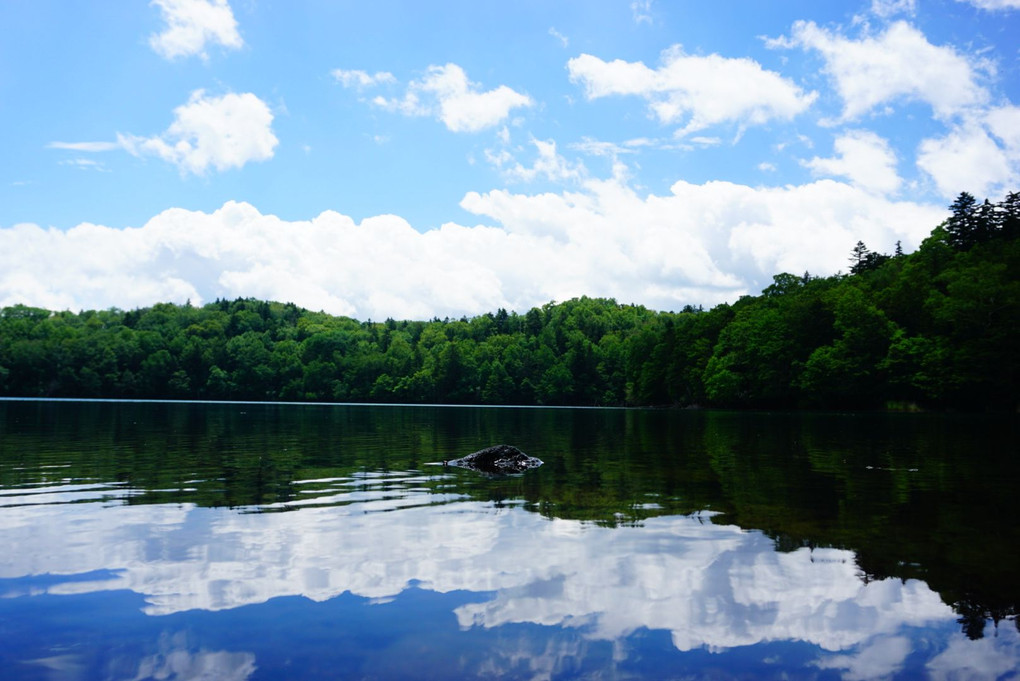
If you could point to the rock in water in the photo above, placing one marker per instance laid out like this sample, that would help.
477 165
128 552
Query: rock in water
498 459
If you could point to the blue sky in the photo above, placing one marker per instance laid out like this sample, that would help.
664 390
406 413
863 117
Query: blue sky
408 159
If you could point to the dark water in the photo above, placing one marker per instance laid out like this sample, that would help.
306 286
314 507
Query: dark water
197 541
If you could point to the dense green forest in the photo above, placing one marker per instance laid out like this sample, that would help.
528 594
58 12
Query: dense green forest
935 328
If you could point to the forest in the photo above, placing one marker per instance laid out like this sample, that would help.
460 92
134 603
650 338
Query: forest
931 329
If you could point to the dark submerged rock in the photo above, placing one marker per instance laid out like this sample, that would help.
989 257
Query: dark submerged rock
500 459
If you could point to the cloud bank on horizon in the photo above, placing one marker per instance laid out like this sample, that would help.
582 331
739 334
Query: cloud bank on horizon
410 162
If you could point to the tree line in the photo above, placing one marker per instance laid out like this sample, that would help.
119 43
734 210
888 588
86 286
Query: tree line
935 328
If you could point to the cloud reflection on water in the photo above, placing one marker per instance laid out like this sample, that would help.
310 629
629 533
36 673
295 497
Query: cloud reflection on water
175 660
710 586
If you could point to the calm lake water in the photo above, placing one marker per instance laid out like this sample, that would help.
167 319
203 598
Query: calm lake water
244 541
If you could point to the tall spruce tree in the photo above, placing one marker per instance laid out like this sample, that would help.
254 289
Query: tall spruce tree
963 228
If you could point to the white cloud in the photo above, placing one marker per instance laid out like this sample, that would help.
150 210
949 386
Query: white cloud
500 158
593 147
642 11
564 40
84 146
697 244
193 24
808 227
704 90
899 64
92 267
639 142
706 141
548 165
211 132
446 93
361 79
980 151
969 159
85 164
864 158
1004 123
994 5
888 8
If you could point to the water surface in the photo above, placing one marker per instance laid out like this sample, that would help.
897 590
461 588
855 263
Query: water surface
243 541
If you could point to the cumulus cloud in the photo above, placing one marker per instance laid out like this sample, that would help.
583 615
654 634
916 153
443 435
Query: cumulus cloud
696 244
1004 123
969 159
191 25
899 64
699 243
446 93
705 91
211 132
980 155
864 158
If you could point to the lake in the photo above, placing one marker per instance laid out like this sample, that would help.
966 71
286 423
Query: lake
273 541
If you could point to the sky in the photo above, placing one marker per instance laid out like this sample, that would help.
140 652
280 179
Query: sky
412 160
